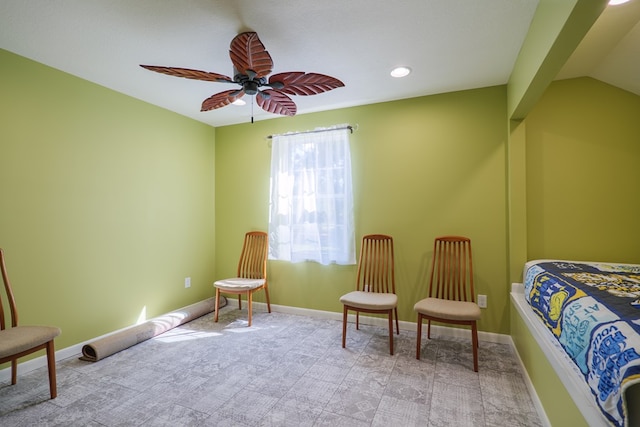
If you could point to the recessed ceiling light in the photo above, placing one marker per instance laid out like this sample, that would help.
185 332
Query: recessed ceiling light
400 72
239 102
617 2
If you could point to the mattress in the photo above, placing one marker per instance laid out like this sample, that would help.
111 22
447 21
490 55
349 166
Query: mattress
593 312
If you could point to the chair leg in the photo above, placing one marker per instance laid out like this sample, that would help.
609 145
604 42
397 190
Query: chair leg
266 292
344 327
51 364
357 320
239 301
14 371
215 318
390 332
429 329
474 339
249 304
397 324
419 337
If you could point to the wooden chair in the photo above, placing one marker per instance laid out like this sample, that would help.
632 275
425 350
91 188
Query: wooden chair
252 272
451 296
18 341
375 284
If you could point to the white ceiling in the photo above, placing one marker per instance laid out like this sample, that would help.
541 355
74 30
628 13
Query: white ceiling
450 45
610 52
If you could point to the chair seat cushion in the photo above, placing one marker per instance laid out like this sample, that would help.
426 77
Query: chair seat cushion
370 300
239 284
22 338
446 309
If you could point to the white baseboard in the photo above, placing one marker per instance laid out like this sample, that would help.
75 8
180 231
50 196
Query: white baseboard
436 330
38 362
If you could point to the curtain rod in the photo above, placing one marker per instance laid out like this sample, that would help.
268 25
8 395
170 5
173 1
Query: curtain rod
349 127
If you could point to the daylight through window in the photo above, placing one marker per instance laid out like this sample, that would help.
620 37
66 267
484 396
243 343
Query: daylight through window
311 201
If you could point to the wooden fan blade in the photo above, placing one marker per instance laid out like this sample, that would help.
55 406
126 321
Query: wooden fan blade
248 54
221 99
300 83
276 102
189 74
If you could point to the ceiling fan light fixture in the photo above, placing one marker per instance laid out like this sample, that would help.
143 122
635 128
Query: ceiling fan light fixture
400 72
239 102
617 2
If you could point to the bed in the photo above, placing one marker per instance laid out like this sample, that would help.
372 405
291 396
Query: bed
586 318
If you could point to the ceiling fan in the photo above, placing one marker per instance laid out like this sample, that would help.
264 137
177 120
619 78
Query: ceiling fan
251 66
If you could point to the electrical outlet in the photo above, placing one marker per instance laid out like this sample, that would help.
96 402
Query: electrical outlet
187 282
482 301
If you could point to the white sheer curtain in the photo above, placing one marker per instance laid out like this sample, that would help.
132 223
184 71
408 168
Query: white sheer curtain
311 201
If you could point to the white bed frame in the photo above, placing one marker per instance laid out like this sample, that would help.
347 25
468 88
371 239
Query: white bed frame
566 370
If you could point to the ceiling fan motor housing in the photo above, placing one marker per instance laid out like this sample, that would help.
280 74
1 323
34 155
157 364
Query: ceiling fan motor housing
250 87
249 84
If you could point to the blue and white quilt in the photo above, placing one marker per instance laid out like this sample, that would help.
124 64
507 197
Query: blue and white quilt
593 310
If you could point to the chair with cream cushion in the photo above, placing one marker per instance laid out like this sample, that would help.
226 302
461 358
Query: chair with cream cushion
451 297
251 275
375 284
18 341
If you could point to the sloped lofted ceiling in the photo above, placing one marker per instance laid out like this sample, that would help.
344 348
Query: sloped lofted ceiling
610 52
450 45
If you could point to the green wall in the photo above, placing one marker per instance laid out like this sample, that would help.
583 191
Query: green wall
582 173
422 167
571 145
557 28
581 152
107 203
555 31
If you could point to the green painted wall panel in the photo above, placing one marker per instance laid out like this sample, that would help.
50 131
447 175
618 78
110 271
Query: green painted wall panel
582 179
107 203
422 167
581 156
517 199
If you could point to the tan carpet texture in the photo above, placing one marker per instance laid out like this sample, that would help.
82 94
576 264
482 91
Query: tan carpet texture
118 341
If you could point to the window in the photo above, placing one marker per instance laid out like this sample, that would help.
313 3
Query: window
311 201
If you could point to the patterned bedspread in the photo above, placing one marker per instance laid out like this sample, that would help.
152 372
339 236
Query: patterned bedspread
593 310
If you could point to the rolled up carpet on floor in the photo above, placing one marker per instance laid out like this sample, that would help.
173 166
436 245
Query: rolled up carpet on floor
118 341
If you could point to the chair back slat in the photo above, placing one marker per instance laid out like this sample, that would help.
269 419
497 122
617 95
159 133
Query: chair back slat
9 294
253 259
452 269
376 265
